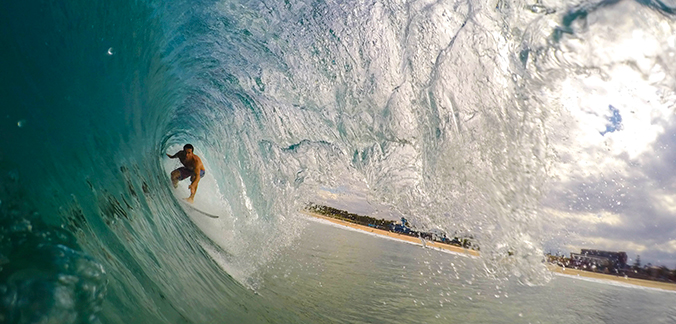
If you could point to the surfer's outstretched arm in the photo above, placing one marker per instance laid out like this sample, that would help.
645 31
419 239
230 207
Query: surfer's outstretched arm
193 186
172 156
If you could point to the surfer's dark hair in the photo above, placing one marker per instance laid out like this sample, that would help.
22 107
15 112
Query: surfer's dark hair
188 146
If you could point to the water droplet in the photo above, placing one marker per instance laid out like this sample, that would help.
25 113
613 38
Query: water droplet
110 51
21 123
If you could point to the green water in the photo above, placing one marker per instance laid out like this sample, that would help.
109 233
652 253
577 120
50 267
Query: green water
433 110
341 276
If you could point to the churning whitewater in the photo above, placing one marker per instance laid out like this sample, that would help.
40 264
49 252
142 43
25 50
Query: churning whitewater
448 113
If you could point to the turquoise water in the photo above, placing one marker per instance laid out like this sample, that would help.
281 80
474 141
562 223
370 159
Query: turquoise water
428 109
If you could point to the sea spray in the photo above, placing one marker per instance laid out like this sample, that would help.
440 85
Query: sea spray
433 110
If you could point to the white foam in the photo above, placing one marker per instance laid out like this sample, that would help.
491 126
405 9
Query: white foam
226 262
612 282
208 199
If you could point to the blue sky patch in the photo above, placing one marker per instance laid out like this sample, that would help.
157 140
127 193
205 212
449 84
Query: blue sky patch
615 121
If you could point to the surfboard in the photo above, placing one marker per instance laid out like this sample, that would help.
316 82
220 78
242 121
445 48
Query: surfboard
191 207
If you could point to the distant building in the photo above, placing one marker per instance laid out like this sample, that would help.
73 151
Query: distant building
599 259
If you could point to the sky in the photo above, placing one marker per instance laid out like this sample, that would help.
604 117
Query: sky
613 184
613 136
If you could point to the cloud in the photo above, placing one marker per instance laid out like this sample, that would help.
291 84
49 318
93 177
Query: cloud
668 247
604 243
585 219
630 207
614 183
327 195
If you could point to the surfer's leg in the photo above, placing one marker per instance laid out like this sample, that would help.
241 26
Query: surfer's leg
179 174
174 177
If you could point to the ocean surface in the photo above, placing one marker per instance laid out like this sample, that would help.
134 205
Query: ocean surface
441 111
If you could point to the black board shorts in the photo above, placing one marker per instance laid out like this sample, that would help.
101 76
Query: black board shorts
187 173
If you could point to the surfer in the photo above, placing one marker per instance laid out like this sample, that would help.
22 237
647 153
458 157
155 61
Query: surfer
192 167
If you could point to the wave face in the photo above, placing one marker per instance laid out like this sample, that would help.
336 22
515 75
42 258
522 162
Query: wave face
443 111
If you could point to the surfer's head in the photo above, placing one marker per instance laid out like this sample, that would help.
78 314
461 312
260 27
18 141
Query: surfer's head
188 148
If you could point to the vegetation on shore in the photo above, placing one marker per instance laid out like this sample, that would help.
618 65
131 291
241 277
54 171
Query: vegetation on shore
388 225
636 270
647 272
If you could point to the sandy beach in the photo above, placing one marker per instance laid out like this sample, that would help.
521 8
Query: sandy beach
397 236
619 279
555 269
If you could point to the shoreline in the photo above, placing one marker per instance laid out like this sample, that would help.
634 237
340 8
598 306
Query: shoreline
397 236
581 274
565 272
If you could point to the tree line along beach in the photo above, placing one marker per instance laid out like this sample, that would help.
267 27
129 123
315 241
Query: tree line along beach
467 246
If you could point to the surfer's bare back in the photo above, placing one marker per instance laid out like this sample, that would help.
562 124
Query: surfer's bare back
192 167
